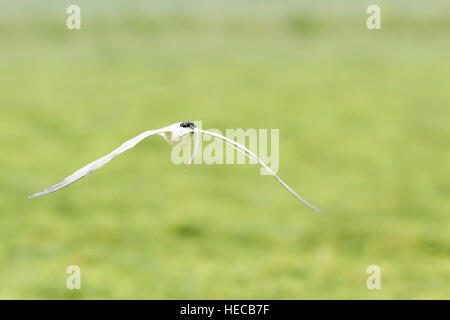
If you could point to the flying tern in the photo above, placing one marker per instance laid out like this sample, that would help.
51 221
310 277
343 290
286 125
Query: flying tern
173 134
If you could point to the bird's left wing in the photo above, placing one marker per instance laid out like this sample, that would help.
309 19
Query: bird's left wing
98 163
244 150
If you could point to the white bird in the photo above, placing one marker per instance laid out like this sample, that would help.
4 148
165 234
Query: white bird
172 134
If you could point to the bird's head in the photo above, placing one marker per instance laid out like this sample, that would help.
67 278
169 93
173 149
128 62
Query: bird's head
186 127
176 132
188 124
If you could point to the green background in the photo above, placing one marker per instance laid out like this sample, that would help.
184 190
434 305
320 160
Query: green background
364 135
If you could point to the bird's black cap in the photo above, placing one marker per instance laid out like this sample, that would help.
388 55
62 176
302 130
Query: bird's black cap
187 124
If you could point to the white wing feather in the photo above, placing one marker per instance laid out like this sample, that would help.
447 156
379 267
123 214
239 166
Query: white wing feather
251 155
97 163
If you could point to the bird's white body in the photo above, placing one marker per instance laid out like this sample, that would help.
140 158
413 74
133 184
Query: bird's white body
173 134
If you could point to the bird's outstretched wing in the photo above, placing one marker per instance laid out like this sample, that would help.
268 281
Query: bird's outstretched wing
97 163
241 148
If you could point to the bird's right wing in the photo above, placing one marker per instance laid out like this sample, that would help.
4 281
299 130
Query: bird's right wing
98 163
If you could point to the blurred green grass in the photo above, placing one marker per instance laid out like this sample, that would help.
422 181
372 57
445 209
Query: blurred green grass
364 135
